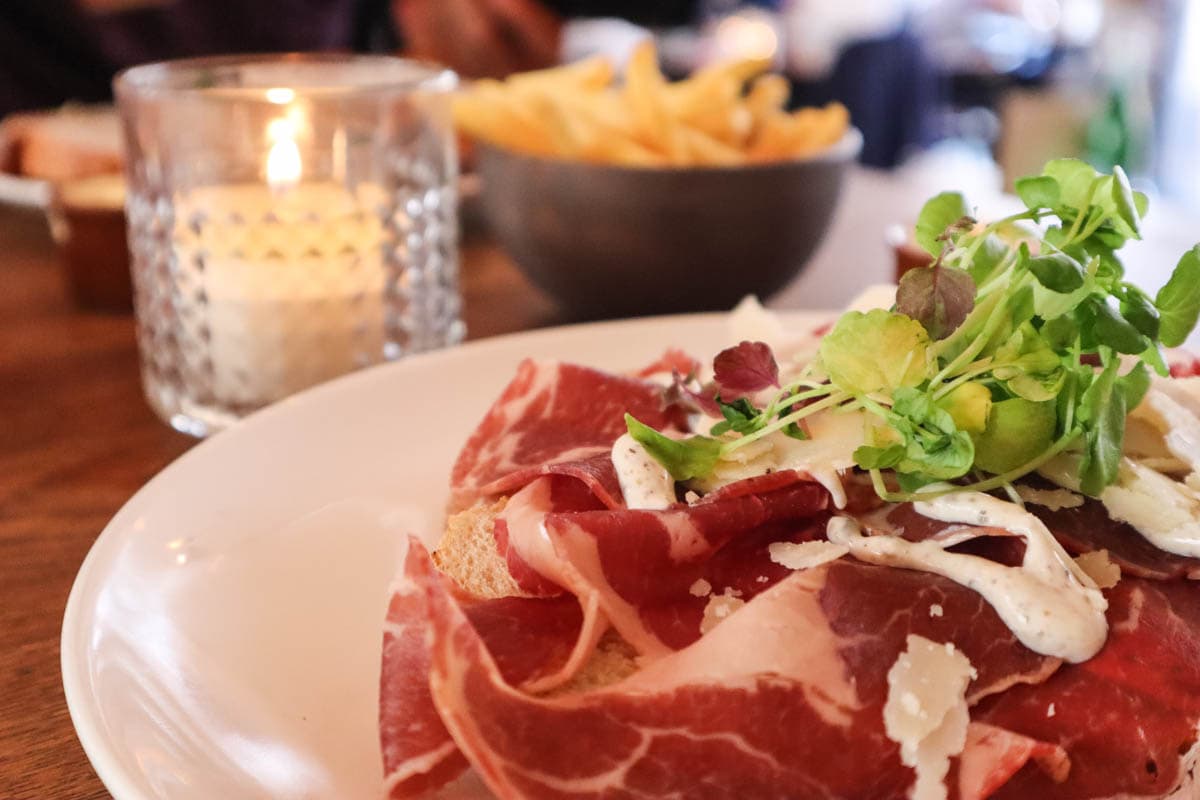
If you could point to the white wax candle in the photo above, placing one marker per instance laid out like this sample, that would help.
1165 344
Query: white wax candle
287 287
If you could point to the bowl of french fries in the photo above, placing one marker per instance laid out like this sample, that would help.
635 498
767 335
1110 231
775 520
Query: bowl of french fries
623 195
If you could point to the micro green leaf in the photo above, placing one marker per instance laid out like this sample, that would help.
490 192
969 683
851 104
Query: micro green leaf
1074 178
873 352
989 255
1140 311
936 296
869 457
693 457
1057 271
1039 191
746 368
1105 413
740 417
1134 385
939 213
1060 332
1122 196
1178 302
1111 329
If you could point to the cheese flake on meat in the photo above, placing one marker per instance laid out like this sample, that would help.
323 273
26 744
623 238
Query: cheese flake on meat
805 555
719 607
1099 568
1163 510
1053 499
926 711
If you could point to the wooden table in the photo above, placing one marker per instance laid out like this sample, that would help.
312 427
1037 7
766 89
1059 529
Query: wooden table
76 440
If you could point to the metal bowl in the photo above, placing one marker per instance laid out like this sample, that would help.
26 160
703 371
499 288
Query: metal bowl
609 241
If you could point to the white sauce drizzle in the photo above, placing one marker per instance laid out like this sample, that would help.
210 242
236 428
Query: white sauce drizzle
1049 603
645 483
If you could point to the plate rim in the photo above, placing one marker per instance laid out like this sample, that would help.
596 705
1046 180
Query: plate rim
87 725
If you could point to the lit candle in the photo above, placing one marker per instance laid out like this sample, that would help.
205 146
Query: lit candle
291 273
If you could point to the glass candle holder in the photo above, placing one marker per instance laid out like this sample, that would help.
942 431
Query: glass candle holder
291 218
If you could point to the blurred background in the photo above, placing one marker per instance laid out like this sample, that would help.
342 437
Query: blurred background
993 87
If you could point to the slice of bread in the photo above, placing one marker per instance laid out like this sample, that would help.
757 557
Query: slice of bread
467 555
65 144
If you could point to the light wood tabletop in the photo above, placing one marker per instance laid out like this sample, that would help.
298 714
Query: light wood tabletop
76 441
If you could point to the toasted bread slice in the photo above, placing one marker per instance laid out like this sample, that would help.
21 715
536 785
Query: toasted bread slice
467 555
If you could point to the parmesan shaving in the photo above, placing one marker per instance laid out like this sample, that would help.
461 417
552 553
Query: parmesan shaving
701 588
1052 499
1164 511
805 555
828 450
926 711
719 607
1100 568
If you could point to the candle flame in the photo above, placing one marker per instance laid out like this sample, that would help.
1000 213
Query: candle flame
283 160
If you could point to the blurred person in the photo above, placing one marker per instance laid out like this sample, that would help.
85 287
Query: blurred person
52 51
481 38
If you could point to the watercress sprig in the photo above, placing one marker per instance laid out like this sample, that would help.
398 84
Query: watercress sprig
1003 352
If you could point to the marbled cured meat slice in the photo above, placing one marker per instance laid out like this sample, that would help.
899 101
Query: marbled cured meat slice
993 755
744 712
528 552
672 361
1128 717
905 602
1089 527
640 566
553 414
527 639
418 753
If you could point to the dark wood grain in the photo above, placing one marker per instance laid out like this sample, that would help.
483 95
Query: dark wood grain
76 440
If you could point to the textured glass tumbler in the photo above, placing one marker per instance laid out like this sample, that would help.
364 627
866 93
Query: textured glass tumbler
291 218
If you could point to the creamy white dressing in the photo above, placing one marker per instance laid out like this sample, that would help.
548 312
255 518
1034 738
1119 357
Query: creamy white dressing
645 483
1048 602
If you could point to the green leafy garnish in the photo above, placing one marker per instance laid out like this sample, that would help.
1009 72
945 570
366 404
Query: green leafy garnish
878 351
1178 302
938 214
693 457
986 368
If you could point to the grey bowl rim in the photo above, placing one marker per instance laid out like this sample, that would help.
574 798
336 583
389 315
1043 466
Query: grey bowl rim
844 150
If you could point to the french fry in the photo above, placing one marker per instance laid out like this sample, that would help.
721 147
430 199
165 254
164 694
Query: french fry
710 119
590 74
704 150
767 96
644 90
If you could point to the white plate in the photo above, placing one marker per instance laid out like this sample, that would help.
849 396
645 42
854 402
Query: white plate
222 638
22 192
